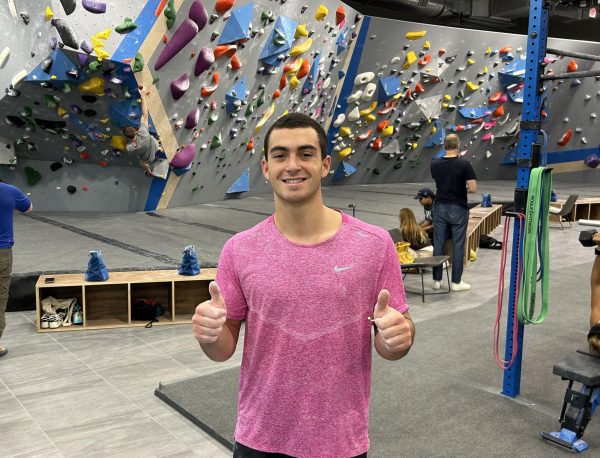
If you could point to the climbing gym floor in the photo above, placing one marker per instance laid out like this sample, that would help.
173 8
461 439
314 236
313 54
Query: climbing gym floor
92 393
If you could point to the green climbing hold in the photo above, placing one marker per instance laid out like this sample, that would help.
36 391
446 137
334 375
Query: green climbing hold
127 26
170 13
266 15
25 112
278 37
138 63
30 126
216 141
67 88
460 94
155 80
250 109
261 98
93 65
33 176
195 188
50 101
213 118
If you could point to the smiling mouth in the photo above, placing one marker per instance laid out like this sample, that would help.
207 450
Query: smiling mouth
294 180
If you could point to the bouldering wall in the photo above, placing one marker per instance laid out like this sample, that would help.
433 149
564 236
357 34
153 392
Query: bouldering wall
416 83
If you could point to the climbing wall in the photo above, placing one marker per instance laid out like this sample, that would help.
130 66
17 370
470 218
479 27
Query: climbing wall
244 67
416 83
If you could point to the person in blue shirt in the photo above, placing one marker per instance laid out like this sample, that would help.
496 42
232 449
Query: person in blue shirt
11 199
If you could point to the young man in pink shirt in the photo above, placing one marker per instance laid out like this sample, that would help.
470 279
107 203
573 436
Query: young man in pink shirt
309 281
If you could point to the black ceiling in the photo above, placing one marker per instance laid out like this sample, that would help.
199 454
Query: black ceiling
560 26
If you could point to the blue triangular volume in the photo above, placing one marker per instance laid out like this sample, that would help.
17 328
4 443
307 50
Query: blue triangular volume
511 157
438 138
61 64
388 87
513 73
270 52
440 154
344 170
476 112
237 26
237 92
125 113
313 74
181 170
242 184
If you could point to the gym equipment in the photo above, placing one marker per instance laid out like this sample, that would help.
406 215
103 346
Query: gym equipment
578 405
585 238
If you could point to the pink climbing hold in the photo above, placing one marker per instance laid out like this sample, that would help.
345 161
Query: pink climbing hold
180 85
192 118
205 59
198 14
184 157
184 34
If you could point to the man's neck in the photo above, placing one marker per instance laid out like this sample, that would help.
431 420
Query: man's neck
451 153
308 224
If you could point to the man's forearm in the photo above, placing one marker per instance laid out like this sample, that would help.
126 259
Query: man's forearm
224 347
595 287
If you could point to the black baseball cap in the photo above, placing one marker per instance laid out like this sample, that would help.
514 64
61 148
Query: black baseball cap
425 192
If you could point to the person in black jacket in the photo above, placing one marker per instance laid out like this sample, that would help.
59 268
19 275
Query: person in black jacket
454 177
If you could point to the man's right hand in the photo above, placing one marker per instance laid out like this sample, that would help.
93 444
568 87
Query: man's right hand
596 238
210 316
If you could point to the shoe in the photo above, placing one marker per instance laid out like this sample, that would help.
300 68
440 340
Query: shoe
3 351
462 286
437 284
77 317
45 321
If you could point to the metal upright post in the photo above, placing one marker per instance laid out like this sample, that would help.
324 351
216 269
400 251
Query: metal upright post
530 132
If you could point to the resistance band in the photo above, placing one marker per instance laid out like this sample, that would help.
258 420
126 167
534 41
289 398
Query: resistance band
536 227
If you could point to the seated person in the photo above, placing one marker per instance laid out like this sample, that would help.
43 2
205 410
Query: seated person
594 334
141 144
426 197
414 234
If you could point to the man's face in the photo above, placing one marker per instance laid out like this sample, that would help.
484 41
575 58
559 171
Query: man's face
426 201
294 167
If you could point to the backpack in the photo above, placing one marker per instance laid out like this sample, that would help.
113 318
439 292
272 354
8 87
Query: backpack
485 241
145 310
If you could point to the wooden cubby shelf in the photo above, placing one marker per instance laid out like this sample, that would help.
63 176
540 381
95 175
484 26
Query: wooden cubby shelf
107 304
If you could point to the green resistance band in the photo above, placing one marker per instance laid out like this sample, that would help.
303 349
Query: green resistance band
536 225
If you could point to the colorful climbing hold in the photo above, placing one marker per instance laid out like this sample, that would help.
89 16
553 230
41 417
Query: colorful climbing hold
321 12
415 35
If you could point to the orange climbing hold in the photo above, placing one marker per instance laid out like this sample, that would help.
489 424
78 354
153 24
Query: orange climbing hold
304 69
225 50
424 60
377 144
160 8
495 97
566 137
250 144
363 137
222 6
499 111
235 63
165 38
207 91
291 68
382 125
340 15
441 51
419 88
572 66
389 106
282 82
505 50
276 94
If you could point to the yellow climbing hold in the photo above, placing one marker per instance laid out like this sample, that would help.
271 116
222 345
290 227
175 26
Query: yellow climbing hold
302 48
265 118
61 111
488 51
415 35
414 146
104 34
321 12
293 67
101 53
447 98
345 131
294 82
485 70
399 95
471 86
389 130
48 14
343 153
93 85
444 105
105 120
96 43
369 110
410 59
370 118
426 45
119 142
301 31
433 129
470 61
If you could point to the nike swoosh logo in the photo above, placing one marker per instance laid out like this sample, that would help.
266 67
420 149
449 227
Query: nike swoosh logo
341 269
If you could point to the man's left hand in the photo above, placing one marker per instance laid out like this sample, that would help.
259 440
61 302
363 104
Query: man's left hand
393 327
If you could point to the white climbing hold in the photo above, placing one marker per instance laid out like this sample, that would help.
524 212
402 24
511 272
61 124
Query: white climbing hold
593 116
488 154
584 140
364 78
18 78
578 130
339 120
354 115
369 91
327 82
12 8
395 60
354 97
565 120
4 56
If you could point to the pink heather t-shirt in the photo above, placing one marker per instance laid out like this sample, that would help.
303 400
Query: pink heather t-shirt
306 368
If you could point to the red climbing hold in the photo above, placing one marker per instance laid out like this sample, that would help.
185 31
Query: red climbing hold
276 94
84 155
103 163
499 111
222 6
566 137
377 144
572 66
424 60
304 69
235 63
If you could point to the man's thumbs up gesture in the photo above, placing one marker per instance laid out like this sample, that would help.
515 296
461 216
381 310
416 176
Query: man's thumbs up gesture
394 328
210 316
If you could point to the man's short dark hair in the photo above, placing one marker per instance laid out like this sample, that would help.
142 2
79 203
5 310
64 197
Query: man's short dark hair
298 121
130 132
451 142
